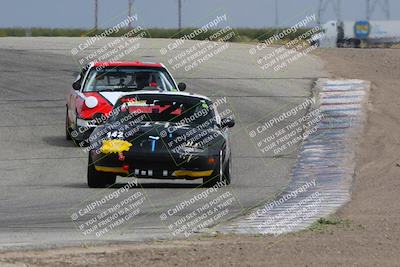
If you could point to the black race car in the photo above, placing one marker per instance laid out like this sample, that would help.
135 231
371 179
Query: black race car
163 135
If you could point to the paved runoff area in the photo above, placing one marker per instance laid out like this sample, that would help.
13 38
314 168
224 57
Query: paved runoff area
43 185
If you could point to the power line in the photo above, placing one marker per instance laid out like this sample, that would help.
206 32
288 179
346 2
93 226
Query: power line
323 6
372 5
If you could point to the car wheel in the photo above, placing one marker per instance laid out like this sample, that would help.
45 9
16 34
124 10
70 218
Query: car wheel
228 171
97 179
67 128
222 174
84 143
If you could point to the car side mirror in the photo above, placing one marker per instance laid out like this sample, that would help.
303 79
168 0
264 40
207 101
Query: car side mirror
182 86
76 85
227 122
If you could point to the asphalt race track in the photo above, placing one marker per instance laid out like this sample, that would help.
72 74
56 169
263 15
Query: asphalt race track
43 176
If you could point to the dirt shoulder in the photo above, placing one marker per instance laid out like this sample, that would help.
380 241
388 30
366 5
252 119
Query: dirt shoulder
368 229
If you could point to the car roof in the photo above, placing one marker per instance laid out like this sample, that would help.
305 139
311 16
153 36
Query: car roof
127 64
168 93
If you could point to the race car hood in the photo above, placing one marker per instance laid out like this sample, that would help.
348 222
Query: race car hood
167 136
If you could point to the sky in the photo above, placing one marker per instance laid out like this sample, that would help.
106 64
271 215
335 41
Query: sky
164 13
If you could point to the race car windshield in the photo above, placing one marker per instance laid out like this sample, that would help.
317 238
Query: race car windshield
182 110
128 79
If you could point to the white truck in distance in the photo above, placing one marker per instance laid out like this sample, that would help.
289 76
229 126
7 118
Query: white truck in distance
353 33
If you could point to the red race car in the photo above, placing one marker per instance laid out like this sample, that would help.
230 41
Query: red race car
100 84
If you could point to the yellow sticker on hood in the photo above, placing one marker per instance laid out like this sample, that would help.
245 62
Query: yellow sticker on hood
115 146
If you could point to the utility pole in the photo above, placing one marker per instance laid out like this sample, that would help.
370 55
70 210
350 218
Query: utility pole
387 6
338 10
368 12
180 14
130 5
276 14
323 5
387 9
383 4
96 14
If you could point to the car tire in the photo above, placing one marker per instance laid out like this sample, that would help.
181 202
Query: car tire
228 171
67 128
84 143
97 179
68 135
222 175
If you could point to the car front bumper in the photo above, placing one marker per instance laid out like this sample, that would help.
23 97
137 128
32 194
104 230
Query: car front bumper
160 166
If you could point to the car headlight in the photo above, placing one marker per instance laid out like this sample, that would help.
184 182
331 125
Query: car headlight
91 102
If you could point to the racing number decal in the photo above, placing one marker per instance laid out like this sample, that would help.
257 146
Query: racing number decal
115 134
